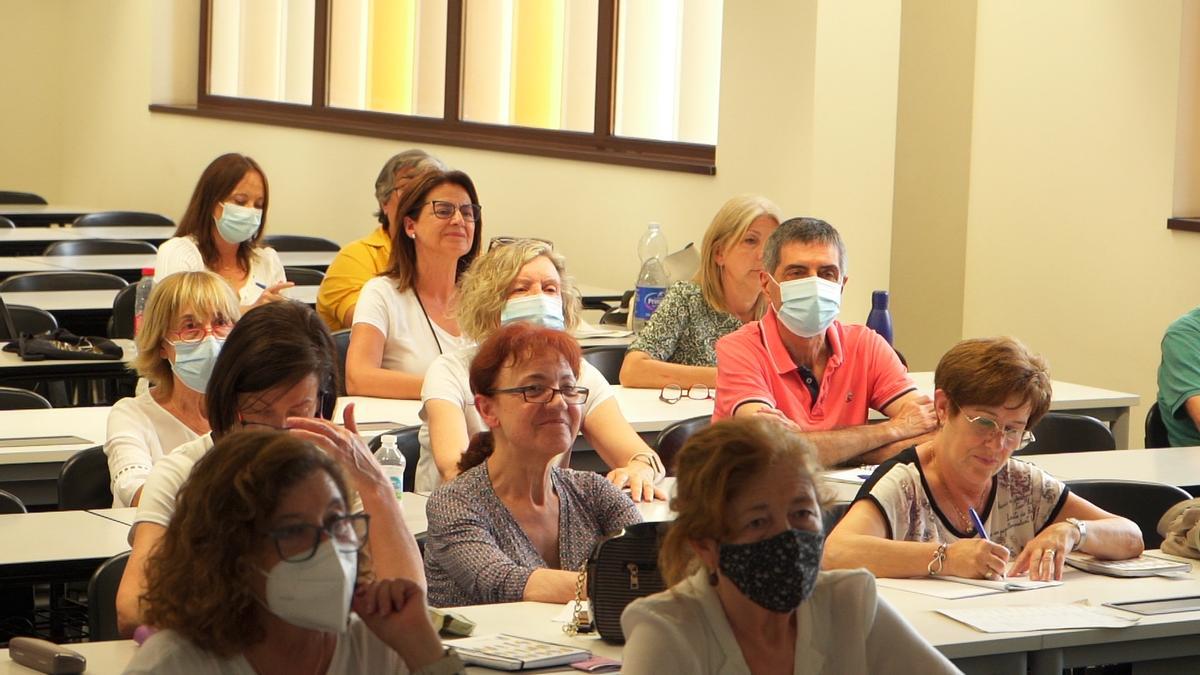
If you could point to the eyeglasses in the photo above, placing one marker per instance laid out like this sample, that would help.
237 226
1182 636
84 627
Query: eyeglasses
540 393
299 542
495 242
672 393
445 210
989 428
193 335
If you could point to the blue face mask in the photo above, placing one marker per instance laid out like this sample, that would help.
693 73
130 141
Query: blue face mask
238 223
194 362
544 310
808 305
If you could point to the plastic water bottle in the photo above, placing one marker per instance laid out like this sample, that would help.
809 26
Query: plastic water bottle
652 278
393 463
141 296
880 319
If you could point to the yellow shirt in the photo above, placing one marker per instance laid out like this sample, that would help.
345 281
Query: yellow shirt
357 263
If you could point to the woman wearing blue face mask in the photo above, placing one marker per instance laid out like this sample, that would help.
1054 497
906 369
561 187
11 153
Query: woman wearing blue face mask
522 281
221 231
744 558
186 321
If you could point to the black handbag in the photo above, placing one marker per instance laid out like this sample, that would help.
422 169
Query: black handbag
62 344
622 569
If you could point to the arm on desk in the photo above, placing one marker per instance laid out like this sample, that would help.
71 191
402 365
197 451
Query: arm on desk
133 583
642 370
448 438
365 374
1109 537
894 647
623 450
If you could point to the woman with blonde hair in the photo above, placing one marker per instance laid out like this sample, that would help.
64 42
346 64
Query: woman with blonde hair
522 281
677 345
186 321
743 558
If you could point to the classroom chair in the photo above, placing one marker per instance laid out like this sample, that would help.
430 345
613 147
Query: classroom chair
10 503
671 439
123 218
409 446
299 242
61 281
615 316
27 319
8 197
302 276
1142 502
5 222
607 359
1065 432
1156 429
83 481
99 247
120 323
102 599
12 398
341 340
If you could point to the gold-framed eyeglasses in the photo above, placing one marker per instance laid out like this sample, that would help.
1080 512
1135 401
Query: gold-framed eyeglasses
990 429
299 542
219 330
540 393
672 393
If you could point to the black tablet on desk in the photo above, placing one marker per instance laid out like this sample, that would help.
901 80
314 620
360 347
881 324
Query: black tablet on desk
1187 603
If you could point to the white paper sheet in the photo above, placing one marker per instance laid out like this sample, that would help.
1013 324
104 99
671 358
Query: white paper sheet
857 475
937 588
1026 618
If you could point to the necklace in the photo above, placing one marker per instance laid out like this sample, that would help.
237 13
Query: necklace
962 520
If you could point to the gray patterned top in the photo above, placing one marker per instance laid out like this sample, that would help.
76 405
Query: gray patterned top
476 553
685 329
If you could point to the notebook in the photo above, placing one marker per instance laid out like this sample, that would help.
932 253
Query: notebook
510 652
1004 584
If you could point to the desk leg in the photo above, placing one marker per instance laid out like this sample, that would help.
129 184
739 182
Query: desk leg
1046 662
991 664
1120 430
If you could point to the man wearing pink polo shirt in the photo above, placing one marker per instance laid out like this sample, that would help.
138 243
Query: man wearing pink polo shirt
818 375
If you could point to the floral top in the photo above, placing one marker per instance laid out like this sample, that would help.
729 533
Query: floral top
685 329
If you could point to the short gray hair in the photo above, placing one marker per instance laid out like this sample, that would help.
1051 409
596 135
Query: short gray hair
804 231
409 160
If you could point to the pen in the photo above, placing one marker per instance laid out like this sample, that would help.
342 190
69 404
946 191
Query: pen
978 524
260 285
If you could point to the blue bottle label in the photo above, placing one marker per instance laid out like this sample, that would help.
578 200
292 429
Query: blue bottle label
647 301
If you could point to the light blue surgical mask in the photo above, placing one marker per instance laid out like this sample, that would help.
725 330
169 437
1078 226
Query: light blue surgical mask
808 306
194 362
238 223
544 310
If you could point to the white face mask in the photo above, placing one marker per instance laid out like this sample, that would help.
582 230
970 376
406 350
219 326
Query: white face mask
238 223
543 310
808 306
315 593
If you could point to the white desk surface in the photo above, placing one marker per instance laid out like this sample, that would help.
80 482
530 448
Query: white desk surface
1173 466
18 264
136 261
48 234
103 658
37 209
99 300
88 422
52 536
14 359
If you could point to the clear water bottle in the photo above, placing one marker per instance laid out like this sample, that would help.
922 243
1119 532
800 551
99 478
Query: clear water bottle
880 319
652 278
141 296
393 462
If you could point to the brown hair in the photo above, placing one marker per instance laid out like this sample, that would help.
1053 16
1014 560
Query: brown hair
712 468
402 265
509 347
215 184
198 580
991 371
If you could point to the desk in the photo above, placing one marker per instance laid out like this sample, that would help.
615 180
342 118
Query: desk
33 240
103 658
58 545
130 265
1173 466
10 265
11 365
24 215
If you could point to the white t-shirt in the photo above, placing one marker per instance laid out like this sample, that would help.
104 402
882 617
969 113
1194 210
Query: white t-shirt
180 254
139 430
448 379
162 486
358 650
409 346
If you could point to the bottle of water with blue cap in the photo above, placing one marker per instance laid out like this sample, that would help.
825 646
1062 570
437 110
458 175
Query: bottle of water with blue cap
393 462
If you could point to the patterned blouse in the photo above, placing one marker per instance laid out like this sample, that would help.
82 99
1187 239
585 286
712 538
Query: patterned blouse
685 329
1023 501
476 553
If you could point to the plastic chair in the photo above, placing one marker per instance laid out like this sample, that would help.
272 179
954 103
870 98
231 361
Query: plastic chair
619 315
123 218
12 398
28 319
341 340
10 503
1142 502
409 446
607 359
62 281
7 197
102 598
99 247
5 222
120 324
302 276
1064 432
1156 429
671 439
83 481
298 242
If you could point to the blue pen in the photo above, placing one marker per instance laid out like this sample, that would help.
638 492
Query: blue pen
262 286
978 523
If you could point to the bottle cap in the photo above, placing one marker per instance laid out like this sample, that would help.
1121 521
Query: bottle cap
388 439
879 300
147 271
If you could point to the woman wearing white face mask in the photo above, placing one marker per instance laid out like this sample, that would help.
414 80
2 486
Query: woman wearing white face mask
522 281
261 569
221 231
186 321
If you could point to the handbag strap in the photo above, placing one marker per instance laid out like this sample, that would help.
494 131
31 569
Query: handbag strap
581 621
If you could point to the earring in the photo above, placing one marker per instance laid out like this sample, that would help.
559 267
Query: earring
712 578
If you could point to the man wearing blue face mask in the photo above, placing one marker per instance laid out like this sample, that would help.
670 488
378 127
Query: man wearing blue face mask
801 364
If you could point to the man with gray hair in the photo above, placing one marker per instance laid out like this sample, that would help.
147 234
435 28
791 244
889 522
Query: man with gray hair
816 374
362 260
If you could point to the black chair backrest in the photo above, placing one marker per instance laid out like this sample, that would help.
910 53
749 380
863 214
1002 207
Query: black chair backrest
619 315
341 340
8 197
99 247
12 398
298 242
120 324
5 222
10 503
28 319
83 482
671 439
1156 429
122 218
409 445
61 281
607 360
302 276
1064 432
102 598
1142 502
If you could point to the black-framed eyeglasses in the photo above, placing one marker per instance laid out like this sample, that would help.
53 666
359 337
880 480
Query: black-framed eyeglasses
672 393
540 393
495 242
299 542
445 210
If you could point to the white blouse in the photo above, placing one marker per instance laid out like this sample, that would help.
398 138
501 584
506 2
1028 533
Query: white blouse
162 486
411 340
180 254
140 432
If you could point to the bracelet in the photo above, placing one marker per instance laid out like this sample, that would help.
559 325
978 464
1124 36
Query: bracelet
653 461
939 559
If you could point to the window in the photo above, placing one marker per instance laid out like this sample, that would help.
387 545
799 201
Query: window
633 82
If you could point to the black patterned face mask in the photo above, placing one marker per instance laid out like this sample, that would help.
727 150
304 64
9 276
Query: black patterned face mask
777 573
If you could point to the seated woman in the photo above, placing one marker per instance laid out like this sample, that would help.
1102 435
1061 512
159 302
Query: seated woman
402 321
186 321
912 517
677 345
262 567
515 526
743 557
522 281
276 371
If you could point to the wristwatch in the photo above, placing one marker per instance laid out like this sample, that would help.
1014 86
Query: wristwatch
1082 527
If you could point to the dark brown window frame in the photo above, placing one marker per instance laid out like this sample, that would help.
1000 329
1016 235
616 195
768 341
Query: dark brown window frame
600 145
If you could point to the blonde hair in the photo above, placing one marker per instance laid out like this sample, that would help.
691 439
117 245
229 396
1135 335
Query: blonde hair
727 229
712 469
484 287
206 293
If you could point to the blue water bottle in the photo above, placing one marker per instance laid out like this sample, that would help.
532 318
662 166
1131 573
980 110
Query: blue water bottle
880 319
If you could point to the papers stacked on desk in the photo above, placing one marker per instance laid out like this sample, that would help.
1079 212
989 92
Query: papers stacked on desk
1026 618
953 588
